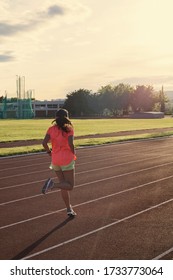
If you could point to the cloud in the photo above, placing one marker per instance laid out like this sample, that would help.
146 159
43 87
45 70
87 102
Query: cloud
34 26
30 19
5 57
9 29
157 81
55 10
35 17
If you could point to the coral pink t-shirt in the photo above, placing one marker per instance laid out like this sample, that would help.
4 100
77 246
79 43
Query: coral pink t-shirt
61 152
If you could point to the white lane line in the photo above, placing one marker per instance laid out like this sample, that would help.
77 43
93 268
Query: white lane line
164 254
23 157
113 155
125 163
91 182
23 166
20 199
32 219
92 170
121 164
48 163
96 230
24 184
23 174
87 202
77 164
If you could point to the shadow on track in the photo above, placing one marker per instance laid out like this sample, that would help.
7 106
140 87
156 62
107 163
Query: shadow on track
29 249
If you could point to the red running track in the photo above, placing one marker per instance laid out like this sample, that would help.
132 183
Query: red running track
123 197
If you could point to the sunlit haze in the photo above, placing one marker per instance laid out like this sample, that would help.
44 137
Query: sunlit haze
63 45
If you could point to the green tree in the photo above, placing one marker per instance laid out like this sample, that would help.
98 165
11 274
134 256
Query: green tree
78 103
116 99
123 93
107 98
143 98
162 100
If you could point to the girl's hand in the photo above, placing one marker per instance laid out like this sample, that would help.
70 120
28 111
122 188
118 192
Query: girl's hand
49 153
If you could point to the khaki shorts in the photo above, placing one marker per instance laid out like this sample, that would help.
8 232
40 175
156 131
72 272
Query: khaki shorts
67 167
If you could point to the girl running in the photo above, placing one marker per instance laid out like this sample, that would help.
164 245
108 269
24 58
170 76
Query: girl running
61 135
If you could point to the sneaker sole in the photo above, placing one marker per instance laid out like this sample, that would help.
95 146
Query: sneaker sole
72 214
46 186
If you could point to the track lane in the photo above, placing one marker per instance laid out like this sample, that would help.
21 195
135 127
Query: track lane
114 211
84 192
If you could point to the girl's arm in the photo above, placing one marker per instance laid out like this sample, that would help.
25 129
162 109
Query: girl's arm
45 143
70 142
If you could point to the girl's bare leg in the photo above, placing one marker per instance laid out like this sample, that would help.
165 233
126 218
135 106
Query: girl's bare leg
66 198
66 180
66 183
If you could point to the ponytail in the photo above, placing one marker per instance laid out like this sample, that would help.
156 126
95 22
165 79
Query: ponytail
62 120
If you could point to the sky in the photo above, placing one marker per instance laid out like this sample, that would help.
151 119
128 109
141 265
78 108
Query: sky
60 46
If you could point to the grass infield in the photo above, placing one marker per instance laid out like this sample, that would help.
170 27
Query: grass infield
13 130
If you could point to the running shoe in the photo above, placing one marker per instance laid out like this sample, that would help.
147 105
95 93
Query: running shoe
71 213
47 186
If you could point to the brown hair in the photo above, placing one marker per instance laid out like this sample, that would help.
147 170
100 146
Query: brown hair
62 120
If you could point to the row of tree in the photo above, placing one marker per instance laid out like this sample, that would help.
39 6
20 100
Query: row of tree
115 100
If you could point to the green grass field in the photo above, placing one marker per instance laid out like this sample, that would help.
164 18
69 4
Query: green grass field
12 130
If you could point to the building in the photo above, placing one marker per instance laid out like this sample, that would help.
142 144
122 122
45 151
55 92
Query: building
46 109
28 109
24 106
13 108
